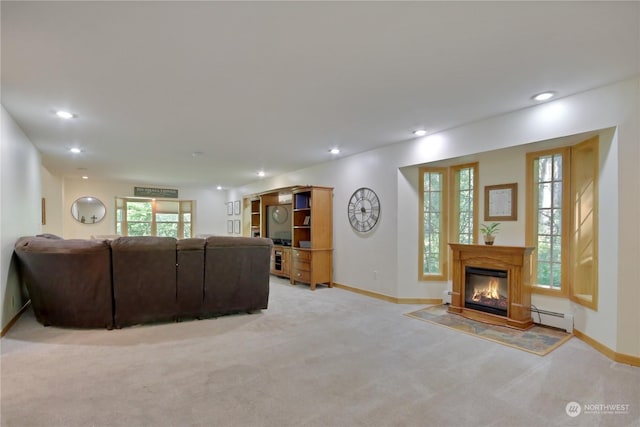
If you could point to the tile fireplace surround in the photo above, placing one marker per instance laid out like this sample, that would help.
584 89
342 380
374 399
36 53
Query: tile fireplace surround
515 260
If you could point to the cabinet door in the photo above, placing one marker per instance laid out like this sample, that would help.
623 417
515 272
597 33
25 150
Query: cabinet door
286 262
276 260
280 261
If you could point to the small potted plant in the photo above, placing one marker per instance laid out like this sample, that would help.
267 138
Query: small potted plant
489 232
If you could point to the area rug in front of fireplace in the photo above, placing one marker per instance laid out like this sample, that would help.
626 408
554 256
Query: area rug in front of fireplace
539 340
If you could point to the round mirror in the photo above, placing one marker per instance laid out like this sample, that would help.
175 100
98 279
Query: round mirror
88 210
280 214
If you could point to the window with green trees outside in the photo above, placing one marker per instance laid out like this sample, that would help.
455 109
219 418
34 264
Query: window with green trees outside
154 217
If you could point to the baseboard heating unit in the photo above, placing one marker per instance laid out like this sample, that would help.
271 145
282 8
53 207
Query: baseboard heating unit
550 318
541 317
446 297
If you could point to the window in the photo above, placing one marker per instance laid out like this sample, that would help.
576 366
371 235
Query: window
549 215
152 217
433 224
138 218
562 221
464 203
435 229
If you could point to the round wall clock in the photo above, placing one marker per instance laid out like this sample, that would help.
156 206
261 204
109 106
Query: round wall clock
363 209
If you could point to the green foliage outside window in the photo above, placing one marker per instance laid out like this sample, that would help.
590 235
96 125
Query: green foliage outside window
140 219
549 220
139 216
432 222
464 181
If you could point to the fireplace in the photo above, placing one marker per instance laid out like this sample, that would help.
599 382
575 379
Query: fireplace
492 284
486 290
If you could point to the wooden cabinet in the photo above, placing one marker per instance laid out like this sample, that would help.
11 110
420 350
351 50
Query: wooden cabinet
251 216
281 261
312 252
312 266
255 218
304 251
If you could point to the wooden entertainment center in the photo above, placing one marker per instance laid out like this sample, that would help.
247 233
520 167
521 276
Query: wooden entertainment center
299 219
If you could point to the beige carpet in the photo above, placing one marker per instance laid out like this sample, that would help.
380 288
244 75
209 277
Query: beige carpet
323 358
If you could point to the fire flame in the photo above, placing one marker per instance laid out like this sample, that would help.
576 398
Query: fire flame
490 292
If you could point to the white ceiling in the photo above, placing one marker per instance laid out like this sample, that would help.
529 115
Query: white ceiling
275 85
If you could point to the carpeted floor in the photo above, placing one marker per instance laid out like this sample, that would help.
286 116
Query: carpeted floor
539 340
328 358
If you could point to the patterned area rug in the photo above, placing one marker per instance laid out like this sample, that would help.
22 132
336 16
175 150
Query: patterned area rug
539 340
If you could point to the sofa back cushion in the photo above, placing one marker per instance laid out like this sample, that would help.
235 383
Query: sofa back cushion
190 276
236 274
144 279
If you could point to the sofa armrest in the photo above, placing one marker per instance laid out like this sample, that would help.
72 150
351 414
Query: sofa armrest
236 274
69 281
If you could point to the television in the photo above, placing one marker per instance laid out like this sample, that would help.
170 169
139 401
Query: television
279 219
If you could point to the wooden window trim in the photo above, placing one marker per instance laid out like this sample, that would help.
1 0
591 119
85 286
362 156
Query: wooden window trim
454 198
531 221
592 144
444 247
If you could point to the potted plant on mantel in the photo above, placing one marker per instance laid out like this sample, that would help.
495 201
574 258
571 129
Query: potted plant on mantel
489 232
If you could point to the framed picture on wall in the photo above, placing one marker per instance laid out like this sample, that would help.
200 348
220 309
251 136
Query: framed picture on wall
501 202
236 207
236 226
230 226
229 208
43 211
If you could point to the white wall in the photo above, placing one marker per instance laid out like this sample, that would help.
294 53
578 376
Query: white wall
54 200
20 214
392 248
356 255
502 166
210 209
628 223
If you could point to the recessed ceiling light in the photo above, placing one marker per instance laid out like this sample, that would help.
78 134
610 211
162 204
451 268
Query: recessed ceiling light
75 150
420 132
64 114
335 151
85 177
219 187
543 96
261 173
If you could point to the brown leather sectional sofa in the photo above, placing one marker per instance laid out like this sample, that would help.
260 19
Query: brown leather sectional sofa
132 280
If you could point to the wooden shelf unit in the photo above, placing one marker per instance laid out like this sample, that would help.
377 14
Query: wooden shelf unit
251 216
255 218
309 259
312 243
